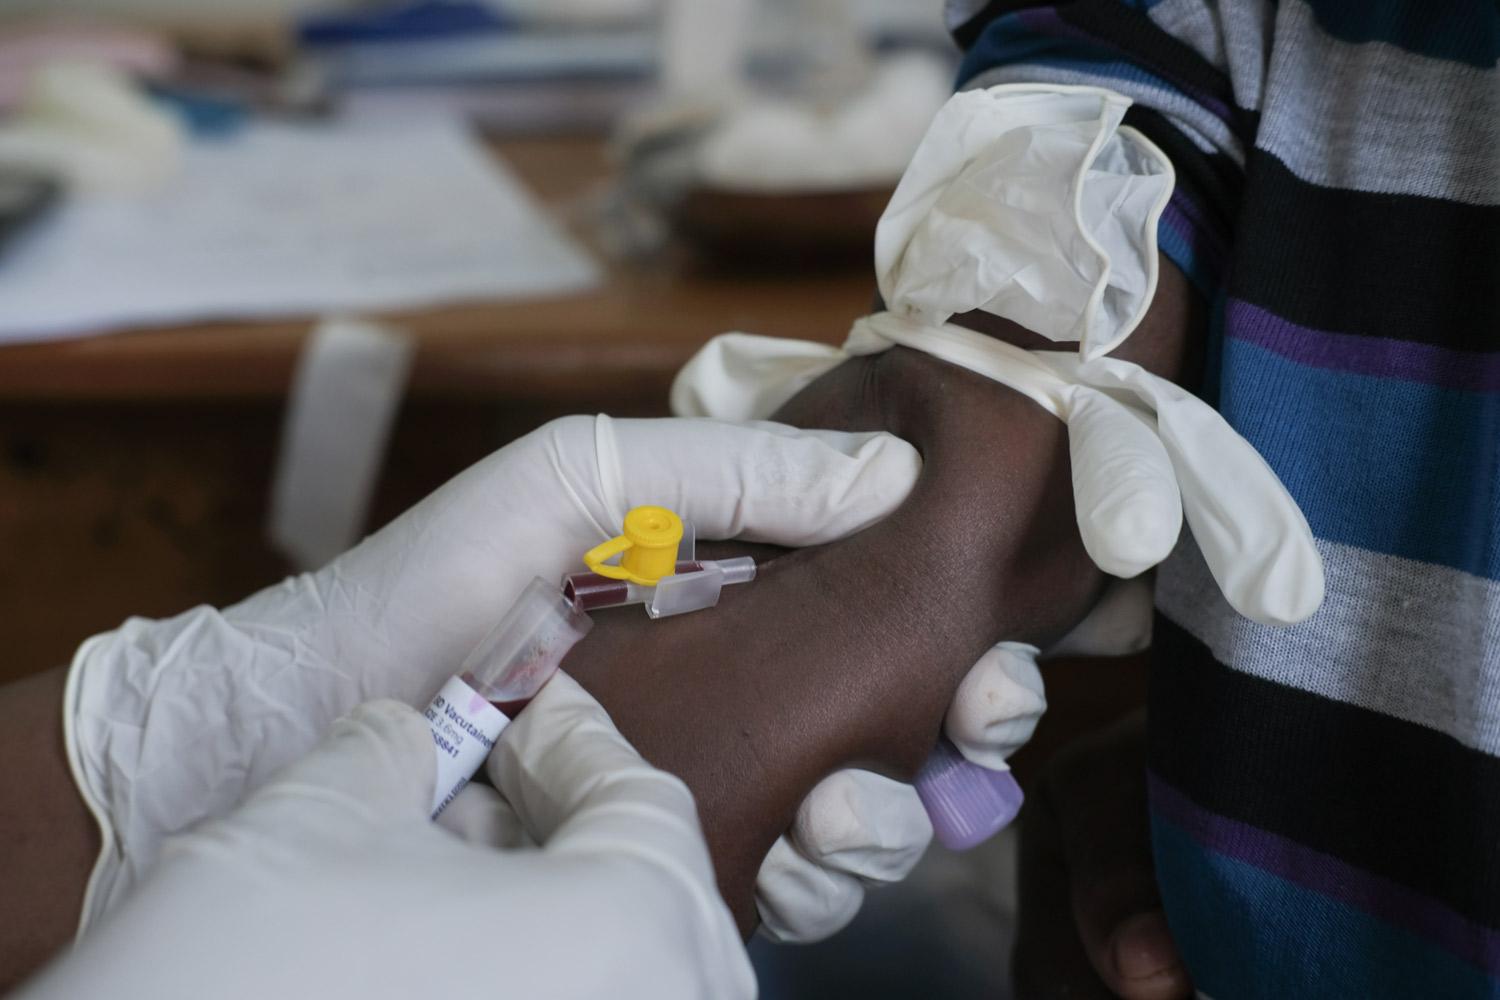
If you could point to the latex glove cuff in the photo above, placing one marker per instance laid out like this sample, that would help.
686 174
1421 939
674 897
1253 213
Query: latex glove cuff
1030 202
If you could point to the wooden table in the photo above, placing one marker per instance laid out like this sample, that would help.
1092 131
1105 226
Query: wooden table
134 468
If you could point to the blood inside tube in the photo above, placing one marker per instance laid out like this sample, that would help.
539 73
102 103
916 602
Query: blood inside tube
509 708
591 591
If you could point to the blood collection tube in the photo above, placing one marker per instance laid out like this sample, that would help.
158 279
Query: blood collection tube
502 674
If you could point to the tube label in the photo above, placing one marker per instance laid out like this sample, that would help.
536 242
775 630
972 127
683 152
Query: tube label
464 729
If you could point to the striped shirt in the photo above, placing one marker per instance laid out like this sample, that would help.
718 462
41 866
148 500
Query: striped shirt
1325 799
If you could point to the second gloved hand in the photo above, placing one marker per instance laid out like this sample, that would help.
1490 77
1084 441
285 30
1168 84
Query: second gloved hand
331 881
858 830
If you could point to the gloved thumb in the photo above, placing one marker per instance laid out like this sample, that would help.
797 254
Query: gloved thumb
479 815
596 806
577 784
376 764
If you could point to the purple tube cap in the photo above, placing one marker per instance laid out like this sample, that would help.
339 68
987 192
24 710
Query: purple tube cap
967 804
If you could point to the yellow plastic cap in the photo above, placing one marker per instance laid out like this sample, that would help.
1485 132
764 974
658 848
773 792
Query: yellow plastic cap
647 548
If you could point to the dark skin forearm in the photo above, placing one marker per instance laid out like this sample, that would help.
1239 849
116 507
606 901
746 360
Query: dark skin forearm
850 653
48 840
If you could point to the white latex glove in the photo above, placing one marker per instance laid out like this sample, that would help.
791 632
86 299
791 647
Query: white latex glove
860 830
1000 701
331 881
1031 202
172 722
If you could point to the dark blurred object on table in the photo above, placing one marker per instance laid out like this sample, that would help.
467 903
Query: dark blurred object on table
24 196
831 227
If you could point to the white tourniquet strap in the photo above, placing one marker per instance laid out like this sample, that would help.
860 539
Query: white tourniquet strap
1033 203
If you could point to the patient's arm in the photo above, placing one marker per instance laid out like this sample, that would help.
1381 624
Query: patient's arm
48 840
849 653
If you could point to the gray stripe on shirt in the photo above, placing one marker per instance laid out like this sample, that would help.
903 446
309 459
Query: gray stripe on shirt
1408 639
1233 37
1361 116
1372 117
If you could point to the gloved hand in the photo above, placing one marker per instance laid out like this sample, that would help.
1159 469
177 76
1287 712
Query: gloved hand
173 722
331 881
860 830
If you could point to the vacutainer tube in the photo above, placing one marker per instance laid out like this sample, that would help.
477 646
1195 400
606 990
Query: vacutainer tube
502 674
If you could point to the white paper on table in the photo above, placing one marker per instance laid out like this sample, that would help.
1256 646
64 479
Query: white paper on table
291 220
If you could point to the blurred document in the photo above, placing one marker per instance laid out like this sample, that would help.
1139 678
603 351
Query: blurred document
292 220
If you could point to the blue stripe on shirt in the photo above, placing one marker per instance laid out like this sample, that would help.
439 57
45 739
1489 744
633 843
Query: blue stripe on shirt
1251 934
1466 31
1008 40
1389 465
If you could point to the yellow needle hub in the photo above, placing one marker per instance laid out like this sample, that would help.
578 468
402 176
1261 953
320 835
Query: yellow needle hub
647 548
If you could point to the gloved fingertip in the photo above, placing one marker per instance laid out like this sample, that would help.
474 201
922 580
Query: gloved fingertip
562 691
1128 540
997 706
1024 650
897 464
862 824
884 471
898 456
1291 593
989 755
561 707
576 781
800 901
